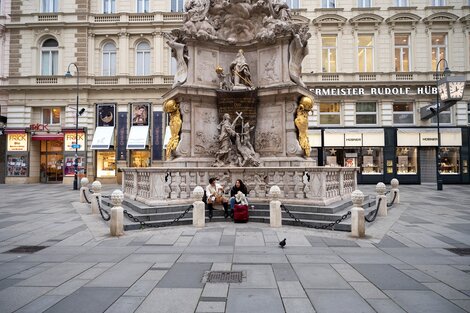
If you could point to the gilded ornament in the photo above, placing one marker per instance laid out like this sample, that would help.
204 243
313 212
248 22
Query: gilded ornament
173 109
301 122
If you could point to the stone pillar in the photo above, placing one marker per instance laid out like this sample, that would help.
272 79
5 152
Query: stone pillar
394 182
380 189
83 189
116 224
275 215
96 197
199 208
358 225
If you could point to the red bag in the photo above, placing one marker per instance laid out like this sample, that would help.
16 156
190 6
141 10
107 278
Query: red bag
240 213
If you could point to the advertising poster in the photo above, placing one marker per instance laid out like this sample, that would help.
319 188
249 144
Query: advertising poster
157 136
105 114
122 136
140 113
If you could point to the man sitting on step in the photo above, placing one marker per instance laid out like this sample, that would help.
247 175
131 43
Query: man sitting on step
214 193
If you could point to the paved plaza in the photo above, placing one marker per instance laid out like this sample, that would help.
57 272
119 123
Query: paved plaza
403 265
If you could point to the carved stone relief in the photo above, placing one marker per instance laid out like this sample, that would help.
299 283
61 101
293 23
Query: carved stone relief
206 64
205 132
270 66
269 130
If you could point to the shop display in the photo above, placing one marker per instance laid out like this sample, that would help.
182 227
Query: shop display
407 160
372 161
17 165
106 164
140 158
450 160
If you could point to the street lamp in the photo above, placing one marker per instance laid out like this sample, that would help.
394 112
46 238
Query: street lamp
75 165
449 90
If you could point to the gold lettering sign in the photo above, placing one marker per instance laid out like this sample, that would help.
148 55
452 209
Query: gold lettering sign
17 142
69 140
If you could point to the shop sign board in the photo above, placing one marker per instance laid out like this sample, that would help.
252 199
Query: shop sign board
69 141
353 139
428 138
375 91
17 142
138 137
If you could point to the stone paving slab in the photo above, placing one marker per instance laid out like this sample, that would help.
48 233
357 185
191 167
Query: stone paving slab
422 301
185 275
171 300
13 298
120 275
56 275
254 300
321 276
298 305
339 301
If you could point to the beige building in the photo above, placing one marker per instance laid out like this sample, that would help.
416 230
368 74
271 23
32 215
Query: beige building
372 65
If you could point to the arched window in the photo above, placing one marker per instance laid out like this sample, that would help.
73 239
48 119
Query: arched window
49 57
49 6
109 59
143 59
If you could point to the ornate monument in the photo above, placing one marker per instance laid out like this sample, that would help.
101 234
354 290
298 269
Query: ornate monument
239 107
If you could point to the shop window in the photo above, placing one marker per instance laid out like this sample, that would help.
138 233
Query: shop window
365 53
439 50
364 3
403 113
372 161
17 165
445 117
49 6
51 116
143 6
330 113
177 5
401 3
106 164
450 160
402 53
143 59
140 158
49 57
52 146
328 53
328 4
109 6
109 59
407 160
366 113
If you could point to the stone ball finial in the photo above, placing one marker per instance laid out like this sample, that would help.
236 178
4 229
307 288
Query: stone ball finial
117 197
380 189
198 193
84 181
96 186
275 192
307 103
357 198
394 182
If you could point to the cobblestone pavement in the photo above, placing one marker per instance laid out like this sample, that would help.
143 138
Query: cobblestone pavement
402 266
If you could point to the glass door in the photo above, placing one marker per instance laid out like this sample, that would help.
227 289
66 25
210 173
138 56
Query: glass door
52 163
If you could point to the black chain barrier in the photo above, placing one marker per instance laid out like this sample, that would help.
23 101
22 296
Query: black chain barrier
326 226
103 212
86 198
373 214
143 224
393 200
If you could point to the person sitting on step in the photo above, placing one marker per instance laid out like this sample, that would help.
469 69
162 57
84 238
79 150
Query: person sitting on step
214 192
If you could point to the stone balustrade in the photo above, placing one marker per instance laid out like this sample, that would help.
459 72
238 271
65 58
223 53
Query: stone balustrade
298 185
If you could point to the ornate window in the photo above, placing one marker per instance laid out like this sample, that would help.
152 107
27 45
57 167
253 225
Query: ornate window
51 116
49 6
439 49
143 59
330 114
142 6
328 53
49 57
403 113
365 53
109 6
364 3
438 3
109 59
177 5
366 113
402 53
328 4
401 3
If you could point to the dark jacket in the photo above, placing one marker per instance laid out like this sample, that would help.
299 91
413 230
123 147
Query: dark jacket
235 190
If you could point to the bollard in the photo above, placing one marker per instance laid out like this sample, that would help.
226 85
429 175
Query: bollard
116 224
394 182
380 189
96 196
358 222
275 215
83 189
199 208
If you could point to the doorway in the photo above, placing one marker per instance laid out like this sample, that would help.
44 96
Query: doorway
52 164
427 157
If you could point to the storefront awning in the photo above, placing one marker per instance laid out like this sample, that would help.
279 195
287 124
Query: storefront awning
415 137
138 137
314 138
102 137
360 137
47 137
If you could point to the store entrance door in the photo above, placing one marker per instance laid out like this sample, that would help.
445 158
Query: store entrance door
52 161
428 164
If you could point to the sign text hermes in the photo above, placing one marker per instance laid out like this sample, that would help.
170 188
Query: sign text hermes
375 91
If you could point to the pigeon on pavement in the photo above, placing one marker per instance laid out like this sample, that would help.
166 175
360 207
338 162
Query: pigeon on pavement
282 243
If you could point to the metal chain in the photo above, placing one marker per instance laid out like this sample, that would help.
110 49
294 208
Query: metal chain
393 200
326 226
373 214
103 212
86 198
143 224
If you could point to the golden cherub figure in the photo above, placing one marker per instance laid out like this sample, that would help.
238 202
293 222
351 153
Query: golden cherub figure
301 122
173 109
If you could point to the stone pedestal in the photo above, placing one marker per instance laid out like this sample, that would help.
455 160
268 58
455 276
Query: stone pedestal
394 182
83 189
96 197
199 208
275 214
382 198
358 226
116 223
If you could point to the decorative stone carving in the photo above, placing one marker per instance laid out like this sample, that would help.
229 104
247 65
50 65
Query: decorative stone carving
117 197
275 192
394 182
225 83
96 186
298 50
380 188
198 193
173 109
179 52
301 122
240 72
84 182
357 198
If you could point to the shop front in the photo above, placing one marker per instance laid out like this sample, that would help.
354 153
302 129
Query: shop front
17 156
137 142
103 142
69 155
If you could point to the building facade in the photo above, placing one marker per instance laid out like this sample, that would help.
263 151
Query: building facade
372 66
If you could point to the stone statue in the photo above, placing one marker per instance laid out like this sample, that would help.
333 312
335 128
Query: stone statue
173 109
279 9
196 19
180 54
225 143
301 122
241 76
298 49
224 81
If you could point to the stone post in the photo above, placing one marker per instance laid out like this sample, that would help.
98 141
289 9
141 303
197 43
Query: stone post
358 224
275 215
380 189
83 189
199 208
394 182
116 224
95 197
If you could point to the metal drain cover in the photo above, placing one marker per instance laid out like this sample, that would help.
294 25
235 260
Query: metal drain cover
26 249
224 277
460 251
